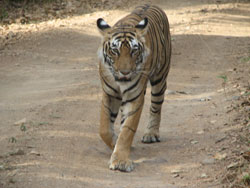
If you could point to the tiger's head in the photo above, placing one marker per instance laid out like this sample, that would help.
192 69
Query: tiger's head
123 49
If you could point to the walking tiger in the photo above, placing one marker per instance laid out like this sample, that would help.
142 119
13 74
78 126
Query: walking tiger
137 49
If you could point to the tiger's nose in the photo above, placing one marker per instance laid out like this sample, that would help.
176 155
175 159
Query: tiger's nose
125 72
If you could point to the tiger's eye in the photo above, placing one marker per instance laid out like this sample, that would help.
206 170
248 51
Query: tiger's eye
134 51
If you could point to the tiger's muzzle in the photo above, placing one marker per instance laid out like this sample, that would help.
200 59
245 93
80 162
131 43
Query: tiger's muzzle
124 76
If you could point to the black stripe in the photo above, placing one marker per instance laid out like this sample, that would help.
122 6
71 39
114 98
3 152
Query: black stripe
119 37
110 111
166 63
155 111
130 38
109 86
115 34
129 128
118 98
112 114
155 48
122 80
138 14
153 83
122 121
159 93
157 102
133 86
130 100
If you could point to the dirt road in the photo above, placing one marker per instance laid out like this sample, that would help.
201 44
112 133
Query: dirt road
49 79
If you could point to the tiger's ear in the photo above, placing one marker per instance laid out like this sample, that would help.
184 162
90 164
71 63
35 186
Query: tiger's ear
142 26
102 26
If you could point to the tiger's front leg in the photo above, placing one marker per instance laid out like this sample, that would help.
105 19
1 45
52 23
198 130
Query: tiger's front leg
131 112
151 134
109 111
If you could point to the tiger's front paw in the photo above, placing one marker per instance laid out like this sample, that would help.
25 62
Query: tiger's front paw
150 138
122 165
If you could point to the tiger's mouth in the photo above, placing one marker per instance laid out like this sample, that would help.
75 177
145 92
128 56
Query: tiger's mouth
123 78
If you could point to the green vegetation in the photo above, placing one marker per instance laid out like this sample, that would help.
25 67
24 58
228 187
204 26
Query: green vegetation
246 179
3 13
247 94
224 77
245 59
12 140
23 128
43 123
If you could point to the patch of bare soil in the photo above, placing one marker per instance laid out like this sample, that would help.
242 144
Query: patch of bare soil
236 173
27 11
50 98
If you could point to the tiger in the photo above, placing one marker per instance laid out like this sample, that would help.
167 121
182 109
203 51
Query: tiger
137 49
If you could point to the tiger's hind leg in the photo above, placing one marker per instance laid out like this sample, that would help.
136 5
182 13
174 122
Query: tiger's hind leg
109 111
151 134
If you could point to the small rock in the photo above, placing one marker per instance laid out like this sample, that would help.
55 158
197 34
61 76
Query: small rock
236 86
176 171
10 35
220 90
233 165
200 132
206 99
219 156
203 175
20 122
213 121
182 92
2 167
33 152
209 98
230 70
175 175
235 98
17 152
170 92
58 13
194 142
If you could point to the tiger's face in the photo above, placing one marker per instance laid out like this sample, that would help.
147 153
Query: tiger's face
123 49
